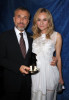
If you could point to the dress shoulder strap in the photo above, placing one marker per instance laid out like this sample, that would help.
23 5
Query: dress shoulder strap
54 36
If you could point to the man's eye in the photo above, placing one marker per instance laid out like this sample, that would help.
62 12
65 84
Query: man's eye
25 18
18 16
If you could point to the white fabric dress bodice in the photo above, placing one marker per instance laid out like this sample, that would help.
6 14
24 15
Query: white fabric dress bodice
48 76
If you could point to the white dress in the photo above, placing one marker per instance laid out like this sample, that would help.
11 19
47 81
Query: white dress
48 76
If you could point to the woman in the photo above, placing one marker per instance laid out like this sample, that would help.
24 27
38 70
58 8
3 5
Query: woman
46 42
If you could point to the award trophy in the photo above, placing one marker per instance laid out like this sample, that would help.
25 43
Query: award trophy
33 66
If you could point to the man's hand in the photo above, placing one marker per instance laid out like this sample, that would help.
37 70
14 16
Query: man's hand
24 69
54 61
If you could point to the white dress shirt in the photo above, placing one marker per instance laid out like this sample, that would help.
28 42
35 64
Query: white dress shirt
24 37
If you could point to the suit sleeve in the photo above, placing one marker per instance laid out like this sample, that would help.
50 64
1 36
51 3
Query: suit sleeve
4 61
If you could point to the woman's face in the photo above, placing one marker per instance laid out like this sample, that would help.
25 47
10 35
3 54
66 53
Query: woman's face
42 22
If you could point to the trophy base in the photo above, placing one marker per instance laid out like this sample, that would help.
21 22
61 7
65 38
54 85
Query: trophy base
35 70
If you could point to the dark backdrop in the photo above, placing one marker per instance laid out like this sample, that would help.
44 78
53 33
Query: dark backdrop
60 12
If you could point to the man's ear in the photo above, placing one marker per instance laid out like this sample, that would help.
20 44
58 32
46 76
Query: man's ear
28 21
13 19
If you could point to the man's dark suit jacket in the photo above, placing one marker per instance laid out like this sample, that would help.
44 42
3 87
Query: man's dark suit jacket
11 59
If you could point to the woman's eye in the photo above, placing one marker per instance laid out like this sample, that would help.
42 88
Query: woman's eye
38 20
45 19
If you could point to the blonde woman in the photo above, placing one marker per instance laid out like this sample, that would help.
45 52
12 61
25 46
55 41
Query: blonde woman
46 42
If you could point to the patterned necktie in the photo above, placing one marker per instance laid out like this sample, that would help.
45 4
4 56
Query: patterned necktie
22 45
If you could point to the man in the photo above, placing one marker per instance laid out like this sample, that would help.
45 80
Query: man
17 81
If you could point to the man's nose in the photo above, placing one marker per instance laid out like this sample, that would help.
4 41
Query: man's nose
21 19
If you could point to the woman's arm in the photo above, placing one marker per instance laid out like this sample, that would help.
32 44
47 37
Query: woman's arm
58 56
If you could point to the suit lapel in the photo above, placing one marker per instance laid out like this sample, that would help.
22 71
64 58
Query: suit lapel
16 44
29 42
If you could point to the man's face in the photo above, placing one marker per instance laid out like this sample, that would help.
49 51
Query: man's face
21 19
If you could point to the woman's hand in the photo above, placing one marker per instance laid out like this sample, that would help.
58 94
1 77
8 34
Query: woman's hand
61 80
54 61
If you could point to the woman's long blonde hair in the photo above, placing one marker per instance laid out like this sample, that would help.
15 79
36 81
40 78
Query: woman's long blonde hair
36 30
